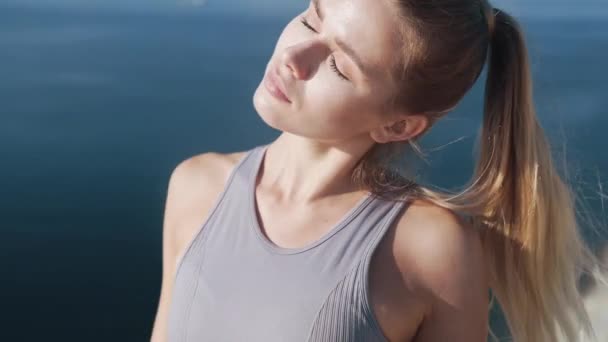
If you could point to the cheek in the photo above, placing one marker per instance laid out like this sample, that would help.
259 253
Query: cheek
336 106
333 98
328 101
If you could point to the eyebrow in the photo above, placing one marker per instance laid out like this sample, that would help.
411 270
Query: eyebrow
345 47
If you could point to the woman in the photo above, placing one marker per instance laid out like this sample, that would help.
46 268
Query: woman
318 236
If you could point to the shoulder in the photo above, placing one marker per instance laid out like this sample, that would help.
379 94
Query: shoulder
201 175
194 185
438 247
201 168
441 253
437 239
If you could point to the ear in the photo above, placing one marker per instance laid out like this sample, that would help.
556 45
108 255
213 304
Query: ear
404 128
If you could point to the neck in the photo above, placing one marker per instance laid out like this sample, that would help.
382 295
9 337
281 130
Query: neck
301 170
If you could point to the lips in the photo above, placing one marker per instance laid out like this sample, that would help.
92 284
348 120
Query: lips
277 82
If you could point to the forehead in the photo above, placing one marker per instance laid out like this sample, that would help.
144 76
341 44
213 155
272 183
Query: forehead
368 26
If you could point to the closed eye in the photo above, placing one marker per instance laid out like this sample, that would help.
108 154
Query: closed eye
332 63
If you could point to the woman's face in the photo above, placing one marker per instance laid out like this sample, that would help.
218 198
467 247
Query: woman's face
331 97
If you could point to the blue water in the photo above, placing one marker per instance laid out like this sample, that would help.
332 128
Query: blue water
97 107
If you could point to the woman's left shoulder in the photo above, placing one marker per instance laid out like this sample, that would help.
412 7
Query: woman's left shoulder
442 254
437 226
440 242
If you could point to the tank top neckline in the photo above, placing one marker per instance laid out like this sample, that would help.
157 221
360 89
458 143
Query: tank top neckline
259 154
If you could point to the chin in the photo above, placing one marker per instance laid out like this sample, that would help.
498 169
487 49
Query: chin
279 116
267 110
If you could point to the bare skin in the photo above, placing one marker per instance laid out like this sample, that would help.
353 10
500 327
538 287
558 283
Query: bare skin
427 278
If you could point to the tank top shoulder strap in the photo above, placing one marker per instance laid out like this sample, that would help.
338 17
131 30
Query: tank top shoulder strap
239 174
238 177
363 281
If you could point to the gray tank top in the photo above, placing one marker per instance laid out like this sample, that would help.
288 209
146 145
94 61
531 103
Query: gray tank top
234 284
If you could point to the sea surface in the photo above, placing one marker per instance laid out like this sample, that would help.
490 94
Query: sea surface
98 106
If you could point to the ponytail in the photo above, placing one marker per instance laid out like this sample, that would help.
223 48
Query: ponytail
531 237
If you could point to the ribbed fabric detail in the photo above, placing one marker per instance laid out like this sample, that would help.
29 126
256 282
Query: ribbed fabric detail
342 317
346 314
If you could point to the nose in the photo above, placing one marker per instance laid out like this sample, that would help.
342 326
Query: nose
302 58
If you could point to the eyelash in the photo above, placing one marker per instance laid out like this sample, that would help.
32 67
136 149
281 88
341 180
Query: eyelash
333 59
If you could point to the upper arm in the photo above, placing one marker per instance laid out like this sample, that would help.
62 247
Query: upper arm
177 181
192 188
448 264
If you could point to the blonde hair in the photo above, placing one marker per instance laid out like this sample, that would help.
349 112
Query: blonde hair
523 208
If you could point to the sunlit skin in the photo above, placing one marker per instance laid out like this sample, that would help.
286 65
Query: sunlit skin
329 107
331 121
